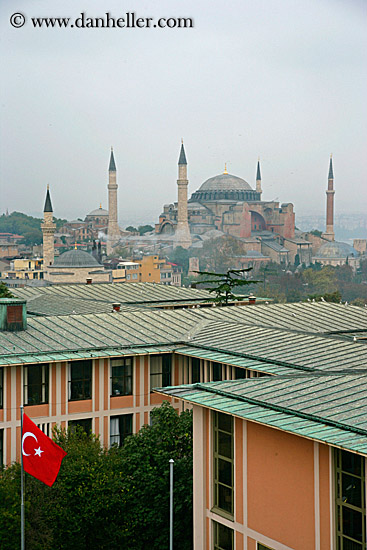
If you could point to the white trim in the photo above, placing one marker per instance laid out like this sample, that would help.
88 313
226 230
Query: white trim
332 498
244 423
316 469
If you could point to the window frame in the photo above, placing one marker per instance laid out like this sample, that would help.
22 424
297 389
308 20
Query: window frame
43 386
120 437
87 364
80 422
219 457
341 505
126 378
163 371
216 526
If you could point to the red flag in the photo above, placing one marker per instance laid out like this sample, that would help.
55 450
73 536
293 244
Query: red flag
41 456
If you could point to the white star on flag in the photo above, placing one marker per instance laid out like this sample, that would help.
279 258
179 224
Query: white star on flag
37 452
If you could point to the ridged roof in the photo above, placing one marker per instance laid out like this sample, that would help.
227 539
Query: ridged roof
322 408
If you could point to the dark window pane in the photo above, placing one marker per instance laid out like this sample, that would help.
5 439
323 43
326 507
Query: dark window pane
223 537
352 524
195 374
225 444
352 490
225 422
85 424
225 472
217 372
351 463
239 373
225 498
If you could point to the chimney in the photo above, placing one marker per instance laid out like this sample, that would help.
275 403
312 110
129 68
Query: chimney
116 307
13 314
251 300
89 281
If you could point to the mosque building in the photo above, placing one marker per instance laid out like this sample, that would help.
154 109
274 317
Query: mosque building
225 203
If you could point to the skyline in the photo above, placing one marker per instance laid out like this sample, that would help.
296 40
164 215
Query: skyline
284 81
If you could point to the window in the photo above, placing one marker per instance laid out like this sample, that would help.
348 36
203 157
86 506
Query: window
239 373
195 370
350 501
262 547
222 537
217 372
120 428
160 371
223 463
36 384
85 424
1 387
80 379
121 376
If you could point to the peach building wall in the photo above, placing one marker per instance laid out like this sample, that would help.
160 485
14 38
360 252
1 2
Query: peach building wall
283 488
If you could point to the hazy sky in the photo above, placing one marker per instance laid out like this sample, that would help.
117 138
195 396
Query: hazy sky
281 79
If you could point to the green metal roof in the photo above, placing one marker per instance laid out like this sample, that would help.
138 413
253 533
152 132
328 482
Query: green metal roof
329 409
99 297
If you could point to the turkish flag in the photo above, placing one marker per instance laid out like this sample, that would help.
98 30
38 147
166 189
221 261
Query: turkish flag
41 456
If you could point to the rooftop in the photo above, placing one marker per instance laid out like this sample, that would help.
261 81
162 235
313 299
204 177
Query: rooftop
322 408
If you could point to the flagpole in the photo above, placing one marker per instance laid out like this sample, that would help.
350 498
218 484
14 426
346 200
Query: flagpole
21 482
171 504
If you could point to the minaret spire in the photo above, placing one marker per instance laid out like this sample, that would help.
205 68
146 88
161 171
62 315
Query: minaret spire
183 237
258 178
112 167
48 228
329 233
113 231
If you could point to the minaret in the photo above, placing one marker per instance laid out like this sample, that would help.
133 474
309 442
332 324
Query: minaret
258 178
183 237
329 233
113 231
48 230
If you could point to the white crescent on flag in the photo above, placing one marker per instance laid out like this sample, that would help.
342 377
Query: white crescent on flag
27 434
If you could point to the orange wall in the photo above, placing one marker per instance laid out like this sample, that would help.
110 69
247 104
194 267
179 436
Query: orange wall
280 486
324 482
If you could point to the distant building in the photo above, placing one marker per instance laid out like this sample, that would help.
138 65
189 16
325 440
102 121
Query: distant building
226 203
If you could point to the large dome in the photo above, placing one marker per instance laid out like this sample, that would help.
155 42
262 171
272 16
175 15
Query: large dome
98 212
335 249
225 182
225 187
76 258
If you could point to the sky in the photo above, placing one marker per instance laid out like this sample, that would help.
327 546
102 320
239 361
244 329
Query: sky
283 80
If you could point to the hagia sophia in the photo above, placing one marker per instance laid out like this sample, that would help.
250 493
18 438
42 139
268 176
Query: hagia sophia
224 206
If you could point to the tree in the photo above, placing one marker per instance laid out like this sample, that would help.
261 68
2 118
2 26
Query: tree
5 292
225 283
144 229
131 229
107 499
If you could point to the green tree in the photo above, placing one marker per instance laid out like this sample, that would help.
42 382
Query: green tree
5 292
144 229
225 284
107 499
131 229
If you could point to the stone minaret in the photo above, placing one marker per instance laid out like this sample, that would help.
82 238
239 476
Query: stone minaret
183 237
329 233
258 178
113 231
48 230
